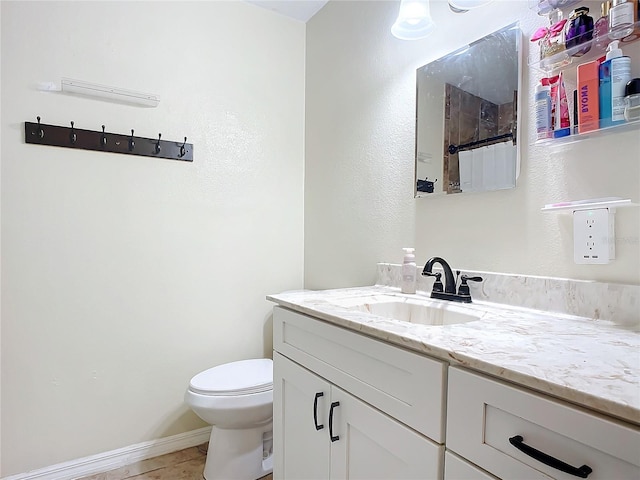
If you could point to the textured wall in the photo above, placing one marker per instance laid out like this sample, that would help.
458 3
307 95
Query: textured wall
0 256
360 134
124 276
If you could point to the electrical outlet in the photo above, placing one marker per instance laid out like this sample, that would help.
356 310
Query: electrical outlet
593 236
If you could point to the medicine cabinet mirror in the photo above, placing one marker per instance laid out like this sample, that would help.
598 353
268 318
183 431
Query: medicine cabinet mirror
467 117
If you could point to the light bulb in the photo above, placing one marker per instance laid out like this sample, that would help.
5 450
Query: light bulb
414 20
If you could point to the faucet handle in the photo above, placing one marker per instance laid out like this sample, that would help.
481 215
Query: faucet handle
437 285
466 278
464 288
431 274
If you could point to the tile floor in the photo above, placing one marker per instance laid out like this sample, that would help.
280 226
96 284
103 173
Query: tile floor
186 464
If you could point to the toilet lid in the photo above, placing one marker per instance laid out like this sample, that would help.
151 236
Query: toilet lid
236 378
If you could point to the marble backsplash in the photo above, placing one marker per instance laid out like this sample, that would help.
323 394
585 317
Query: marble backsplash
599 301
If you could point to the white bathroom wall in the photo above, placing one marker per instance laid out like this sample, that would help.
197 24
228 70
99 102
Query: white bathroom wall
0 255
123 276
359 171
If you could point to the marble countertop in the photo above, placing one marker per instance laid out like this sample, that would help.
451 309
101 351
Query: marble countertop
592 363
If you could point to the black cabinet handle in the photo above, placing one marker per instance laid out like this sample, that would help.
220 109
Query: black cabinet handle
518 442
315 411
334 438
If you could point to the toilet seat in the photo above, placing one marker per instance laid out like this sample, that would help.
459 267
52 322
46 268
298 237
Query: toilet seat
244 377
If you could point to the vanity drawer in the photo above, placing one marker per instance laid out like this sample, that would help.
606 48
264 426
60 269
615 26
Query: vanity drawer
455 468
485 416
403 384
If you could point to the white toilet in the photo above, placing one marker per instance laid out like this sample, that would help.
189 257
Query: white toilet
237 399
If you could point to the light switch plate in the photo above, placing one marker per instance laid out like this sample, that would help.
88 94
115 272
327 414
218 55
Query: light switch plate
593 236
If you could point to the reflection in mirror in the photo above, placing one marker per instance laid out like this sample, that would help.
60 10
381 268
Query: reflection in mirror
466 117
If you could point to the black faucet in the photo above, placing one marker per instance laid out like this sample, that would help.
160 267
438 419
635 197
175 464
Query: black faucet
449 282
448 290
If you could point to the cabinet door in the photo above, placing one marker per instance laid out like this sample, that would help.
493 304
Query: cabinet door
407 386
373 446
301 451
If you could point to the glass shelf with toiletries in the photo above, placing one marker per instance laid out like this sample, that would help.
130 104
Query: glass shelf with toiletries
579 77
577 137
594 48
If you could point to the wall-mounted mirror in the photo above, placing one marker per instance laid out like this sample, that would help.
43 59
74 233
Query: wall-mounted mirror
467 117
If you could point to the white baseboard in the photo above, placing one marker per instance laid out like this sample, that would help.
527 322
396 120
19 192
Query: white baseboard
103 462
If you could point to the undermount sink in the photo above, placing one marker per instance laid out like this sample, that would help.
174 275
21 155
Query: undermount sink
413 311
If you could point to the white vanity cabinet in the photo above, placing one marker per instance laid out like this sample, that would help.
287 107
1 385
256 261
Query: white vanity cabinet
344 420
322 432
347 405
514 433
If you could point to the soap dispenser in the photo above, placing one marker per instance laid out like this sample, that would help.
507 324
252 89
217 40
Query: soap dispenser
409 271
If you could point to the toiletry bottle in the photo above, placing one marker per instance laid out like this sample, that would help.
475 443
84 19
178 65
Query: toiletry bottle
576 116
543 111
562 122
545 6
632 100
615 73
621 19
636 19
586 102
551 40
579 31
409 271
601 27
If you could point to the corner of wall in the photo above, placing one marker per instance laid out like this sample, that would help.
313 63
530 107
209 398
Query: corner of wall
0 254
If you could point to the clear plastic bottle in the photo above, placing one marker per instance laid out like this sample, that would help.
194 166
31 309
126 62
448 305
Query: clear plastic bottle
408 271
621 19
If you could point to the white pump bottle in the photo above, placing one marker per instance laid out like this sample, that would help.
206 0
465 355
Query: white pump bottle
620 75
409 271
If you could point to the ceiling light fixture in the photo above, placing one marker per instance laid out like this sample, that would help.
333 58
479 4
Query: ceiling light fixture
462 6
414 20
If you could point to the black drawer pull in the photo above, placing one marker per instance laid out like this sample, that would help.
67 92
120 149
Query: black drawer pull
315 411
336 437
518 442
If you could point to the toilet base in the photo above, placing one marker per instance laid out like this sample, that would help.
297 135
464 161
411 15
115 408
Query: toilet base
239 454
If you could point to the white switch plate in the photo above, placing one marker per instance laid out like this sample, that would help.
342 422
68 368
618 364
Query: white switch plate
593 236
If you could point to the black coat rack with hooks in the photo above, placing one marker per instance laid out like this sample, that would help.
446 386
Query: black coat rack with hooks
101 141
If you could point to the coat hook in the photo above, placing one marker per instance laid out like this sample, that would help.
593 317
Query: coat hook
40 130
72 136
158 143
132 144
103 139
182 149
